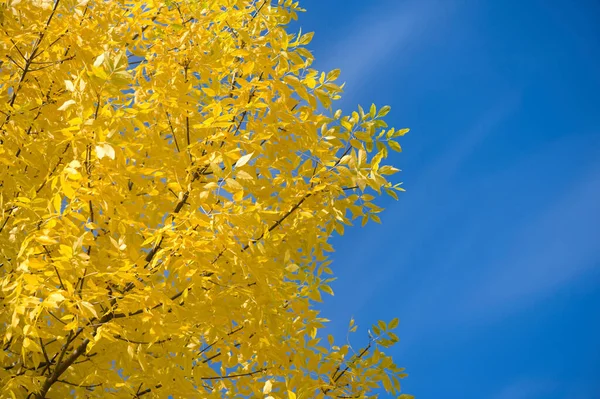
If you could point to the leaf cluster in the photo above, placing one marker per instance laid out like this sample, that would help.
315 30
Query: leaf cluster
171 173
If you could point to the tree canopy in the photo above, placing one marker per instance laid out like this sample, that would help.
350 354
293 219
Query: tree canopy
171 173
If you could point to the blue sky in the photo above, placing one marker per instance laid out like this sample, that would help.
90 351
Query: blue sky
491 259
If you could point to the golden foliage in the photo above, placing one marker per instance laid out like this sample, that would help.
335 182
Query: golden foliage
170 174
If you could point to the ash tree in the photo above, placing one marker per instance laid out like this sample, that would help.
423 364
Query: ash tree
171 173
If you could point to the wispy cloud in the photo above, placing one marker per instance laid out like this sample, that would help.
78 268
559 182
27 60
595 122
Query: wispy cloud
527 389
555 246
551 250
396 27
420 211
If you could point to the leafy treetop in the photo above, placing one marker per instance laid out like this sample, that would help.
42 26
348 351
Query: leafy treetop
170 173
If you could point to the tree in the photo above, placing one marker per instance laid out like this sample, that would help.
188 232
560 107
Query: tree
171 172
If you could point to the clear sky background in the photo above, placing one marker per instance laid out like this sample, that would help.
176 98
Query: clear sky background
491 259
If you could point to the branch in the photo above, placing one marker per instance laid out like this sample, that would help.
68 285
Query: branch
61 367
232 376
172 131
145 391
259 9
60 159
147 26
336 377
141 342
139 311
88 387
213 344
44 352
59 279
26 68
280 220
56 317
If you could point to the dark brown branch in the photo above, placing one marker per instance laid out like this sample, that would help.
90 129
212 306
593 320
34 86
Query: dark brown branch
44 352
172 131
51 63
232 376
140 311
56 317
59 279
58 38
60 159
220 339
135 36
29 60
88 387
336 377
154 250
146 391
131 341
15 62
259 10
280 220
10 212
61 367
15 45
187 136
87 358
208 359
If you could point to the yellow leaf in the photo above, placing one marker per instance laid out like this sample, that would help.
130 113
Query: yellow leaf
327 289
292 268
394 146
267 387
54 299
233 184
105 150
242 175
130 350
66 105
69 85
89 307
243 160
206 241
44 239
333 75
209 92
99 60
